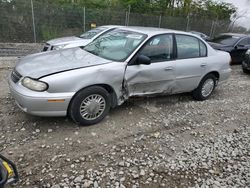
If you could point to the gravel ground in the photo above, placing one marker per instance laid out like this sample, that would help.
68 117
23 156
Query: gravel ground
170 141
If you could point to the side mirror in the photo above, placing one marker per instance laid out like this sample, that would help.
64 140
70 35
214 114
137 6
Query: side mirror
143 60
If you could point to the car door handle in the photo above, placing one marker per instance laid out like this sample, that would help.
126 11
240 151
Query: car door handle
203 65
168 68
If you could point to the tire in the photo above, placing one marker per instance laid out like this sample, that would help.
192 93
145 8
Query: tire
94 103
202 94
245 71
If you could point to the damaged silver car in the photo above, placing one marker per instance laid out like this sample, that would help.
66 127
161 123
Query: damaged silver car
86 82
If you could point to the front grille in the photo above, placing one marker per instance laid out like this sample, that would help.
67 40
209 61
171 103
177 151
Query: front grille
15 76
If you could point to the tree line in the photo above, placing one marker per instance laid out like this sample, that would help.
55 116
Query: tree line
207 8
54 18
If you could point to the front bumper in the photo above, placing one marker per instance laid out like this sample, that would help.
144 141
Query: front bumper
40 103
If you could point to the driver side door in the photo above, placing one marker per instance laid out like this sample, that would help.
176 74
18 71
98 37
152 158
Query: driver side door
240 49
159 75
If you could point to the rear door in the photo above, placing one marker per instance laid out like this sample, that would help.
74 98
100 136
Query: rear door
159 76
191 62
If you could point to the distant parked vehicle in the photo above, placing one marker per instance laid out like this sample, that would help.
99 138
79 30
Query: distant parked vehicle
246 62
82 40
202 35
234 43
85 83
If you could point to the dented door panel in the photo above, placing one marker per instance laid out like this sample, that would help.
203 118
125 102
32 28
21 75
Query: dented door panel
150 79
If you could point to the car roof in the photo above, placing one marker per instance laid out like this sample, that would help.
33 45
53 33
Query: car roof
197 32
109 26
233 34
153 30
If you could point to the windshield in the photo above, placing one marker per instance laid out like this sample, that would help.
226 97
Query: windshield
226 40
116 45
91 33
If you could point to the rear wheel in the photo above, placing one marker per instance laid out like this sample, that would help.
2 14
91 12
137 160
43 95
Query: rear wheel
205 88
90 105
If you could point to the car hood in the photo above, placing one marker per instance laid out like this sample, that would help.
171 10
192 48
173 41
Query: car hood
66 40
42 64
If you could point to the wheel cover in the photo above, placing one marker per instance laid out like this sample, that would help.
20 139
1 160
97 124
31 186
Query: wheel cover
207 87
92 107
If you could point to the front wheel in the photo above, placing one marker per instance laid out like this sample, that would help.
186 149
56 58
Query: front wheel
205 88
90 105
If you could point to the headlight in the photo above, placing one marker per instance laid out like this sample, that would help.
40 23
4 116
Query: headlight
34 84
58 47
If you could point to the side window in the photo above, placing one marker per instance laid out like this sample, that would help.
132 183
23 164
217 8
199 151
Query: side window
244 42
203 49
159 48
187 47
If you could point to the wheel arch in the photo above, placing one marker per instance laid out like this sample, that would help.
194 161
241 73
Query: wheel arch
215 73
107 87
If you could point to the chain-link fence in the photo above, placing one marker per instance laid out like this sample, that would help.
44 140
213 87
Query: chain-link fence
28 21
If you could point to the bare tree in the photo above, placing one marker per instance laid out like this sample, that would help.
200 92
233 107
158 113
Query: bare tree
236 16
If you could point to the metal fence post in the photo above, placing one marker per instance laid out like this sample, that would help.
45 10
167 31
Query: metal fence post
33 20
84 19
211 30
129 7
215 25
126 18
188 20
159 25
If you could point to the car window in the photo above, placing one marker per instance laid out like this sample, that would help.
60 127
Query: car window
187 47
159 48
244 42
203 49
116 45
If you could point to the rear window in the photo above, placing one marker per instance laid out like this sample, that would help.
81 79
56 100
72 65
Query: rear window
226 40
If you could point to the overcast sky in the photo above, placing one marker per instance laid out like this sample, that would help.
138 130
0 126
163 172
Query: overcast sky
243 9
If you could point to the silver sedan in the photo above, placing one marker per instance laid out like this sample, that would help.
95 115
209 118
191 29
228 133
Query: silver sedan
86 82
